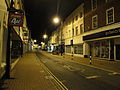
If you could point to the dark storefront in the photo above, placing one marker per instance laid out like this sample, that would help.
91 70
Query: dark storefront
105 44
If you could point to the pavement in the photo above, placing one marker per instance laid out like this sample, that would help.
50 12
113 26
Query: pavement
29 74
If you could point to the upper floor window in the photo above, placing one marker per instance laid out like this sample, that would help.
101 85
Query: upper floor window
73 32
80 14
108 0
73 20
94 22
76 30
81 28
110 15
76 17
94 4
69 33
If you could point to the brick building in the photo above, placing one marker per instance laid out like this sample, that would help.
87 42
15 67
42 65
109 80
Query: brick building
102 28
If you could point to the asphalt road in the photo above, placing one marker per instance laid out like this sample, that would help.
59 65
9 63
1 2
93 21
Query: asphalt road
76 76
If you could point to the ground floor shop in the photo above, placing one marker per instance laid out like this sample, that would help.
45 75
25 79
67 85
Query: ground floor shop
76 49
104 44
107 49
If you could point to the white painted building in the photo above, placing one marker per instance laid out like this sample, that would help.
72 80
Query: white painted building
73 30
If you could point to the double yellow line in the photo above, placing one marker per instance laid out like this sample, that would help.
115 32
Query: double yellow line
61 85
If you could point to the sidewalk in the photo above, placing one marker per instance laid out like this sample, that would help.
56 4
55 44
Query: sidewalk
28 74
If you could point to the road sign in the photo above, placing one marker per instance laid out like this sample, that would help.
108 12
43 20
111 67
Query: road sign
15 19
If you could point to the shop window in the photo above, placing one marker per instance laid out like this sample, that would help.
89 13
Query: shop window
105 49
110 15
68 49
96 49
78 49
94 22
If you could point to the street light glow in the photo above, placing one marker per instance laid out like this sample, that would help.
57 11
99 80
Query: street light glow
56 20
45 36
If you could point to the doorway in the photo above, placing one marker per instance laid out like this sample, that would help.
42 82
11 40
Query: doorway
118 52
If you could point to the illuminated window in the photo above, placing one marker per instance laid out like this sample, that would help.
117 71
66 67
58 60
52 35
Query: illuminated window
94 4
110 15
94 22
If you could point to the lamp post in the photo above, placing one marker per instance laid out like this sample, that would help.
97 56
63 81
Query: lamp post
45 37
57 20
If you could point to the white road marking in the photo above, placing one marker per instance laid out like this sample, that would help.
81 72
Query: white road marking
91 77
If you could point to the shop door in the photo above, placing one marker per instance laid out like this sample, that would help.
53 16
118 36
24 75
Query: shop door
118 52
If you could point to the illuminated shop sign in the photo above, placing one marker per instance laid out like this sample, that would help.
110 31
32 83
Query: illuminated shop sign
16 19
108 33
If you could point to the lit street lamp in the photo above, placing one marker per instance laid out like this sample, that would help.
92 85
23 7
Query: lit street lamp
44 36
57 20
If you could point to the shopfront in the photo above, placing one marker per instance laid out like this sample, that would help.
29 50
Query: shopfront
100 48
78 49
105 44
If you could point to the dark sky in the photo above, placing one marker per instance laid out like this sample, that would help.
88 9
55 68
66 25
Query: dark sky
39 14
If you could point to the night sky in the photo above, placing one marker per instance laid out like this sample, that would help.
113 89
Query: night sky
39 14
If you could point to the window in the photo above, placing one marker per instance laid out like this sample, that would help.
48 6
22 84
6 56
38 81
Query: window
108 1
69 33
80 14
73 20
76 30
94 4
94 22
110 15
73 32
76 17
78 49
81 28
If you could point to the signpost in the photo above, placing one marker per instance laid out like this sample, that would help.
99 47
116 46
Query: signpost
15 19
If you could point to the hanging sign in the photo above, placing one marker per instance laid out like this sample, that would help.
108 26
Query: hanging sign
15 19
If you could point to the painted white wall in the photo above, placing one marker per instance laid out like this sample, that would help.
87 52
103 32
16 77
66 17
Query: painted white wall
3 35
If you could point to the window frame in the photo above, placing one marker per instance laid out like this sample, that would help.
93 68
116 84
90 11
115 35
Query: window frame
93 5
81 28
112 8
96 21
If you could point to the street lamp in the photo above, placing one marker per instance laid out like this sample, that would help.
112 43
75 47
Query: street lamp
57 20
44 36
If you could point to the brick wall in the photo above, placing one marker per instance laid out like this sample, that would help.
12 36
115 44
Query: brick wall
102 6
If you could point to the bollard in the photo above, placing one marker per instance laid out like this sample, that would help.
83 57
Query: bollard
72 56
90 60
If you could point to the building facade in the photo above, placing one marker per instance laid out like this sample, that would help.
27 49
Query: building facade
73 30
3 35
102 28
93 29
18 34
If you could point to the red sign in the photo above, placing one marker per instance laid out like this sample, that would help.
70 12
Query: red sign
15 19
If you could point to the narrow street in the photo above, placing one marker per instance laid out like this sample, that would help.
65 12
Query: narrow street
76 76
